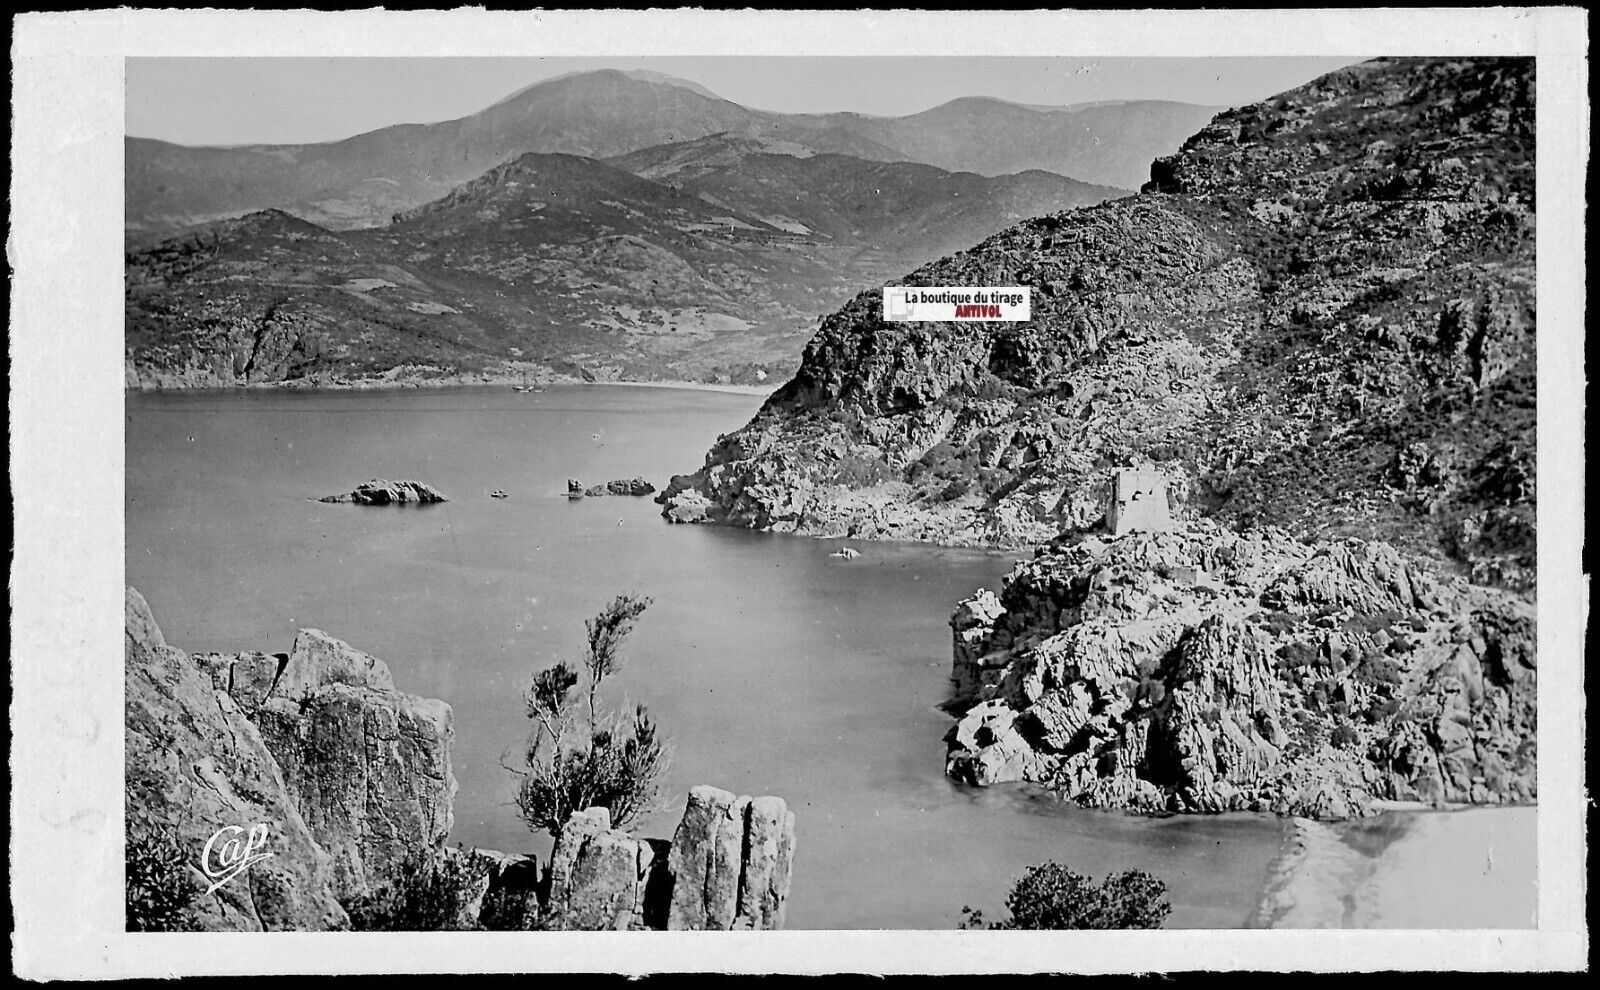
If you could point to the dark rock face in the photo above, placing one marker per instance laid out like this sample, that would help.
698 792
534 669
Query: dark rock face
368 766
1318 315
1208 670
348 774
381 492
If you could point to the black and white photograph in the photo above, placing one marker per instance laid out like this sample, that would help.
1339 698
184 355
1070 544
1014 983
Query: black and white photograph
934 492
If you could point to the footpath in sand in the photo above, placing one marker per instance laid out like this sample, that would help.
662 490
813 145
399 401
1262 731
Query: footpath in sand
1475 868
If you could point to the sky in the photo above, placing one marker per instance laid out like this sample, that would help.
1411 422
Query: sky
226 101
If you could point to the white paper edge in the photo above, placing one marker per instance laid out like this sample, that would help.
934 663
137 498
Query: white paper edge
65 248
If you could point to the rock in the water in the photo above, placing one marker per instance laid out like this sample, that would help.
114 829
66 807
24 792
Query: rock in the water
498 493
847 553
633 486
687 507
595 491
381 492
574 488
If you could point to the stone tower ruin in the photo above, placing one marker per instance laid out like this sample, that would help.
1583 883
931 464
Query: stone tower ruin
1138 503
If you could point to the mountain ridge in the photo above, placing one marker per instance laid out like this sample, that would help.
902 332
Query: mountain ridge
558 266
362 180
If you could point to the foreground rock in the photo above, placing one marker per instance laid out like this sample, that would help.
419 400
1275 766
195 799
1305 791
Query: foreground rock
727 867
349 774
381 492
1207 670
352 781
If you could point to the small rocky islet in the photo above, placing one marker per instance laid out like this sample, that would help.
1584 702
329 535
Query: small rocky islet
381 492
637 487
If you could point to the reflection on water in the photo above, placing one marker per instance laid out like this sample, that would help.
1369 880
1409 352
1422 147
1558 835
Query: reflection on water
774 668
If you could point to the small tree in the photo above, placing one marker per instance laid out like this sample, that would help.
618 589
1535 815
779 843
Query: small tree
581 757
1050 896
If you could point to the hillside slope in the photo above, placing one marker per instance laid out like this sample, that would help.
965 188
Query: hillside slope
557 265
1319 314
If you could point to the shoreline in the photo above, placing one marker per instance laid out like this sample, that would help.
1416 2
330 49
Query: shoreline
396 385
1473 867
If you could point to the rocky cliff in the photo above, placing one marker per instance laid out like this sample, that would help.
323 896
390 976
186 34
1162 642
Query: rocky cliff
348 774
1213 670
1318 315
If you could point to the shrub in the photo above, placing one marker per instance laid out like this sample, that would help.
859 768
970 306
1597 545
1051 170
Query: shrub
431 893
159 891
1344 736
1050 896
581 757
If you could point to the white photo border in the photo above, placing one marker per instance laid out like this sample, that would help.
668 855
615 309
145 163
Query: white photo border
67 463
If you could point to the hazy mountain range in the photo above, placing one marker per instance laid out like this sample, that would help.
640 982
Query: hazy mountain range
605 225
363 180
716 268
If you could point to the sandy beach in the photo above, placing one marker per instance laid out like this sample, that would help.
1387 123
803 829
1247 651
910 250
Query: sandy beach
1472 868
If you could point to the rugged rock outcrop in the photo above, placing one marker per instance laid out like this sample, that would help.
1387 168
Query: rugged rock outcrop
1211 670
730 862
603 876
194 764
381 492
727 867
1318 315
348 774
368 766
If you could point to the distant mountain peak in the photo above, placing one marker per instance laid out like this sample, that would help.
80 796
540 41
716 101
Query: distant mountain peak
633 75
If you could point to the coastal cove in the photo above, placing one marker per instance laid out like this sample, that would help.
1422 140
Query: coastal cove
772 667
